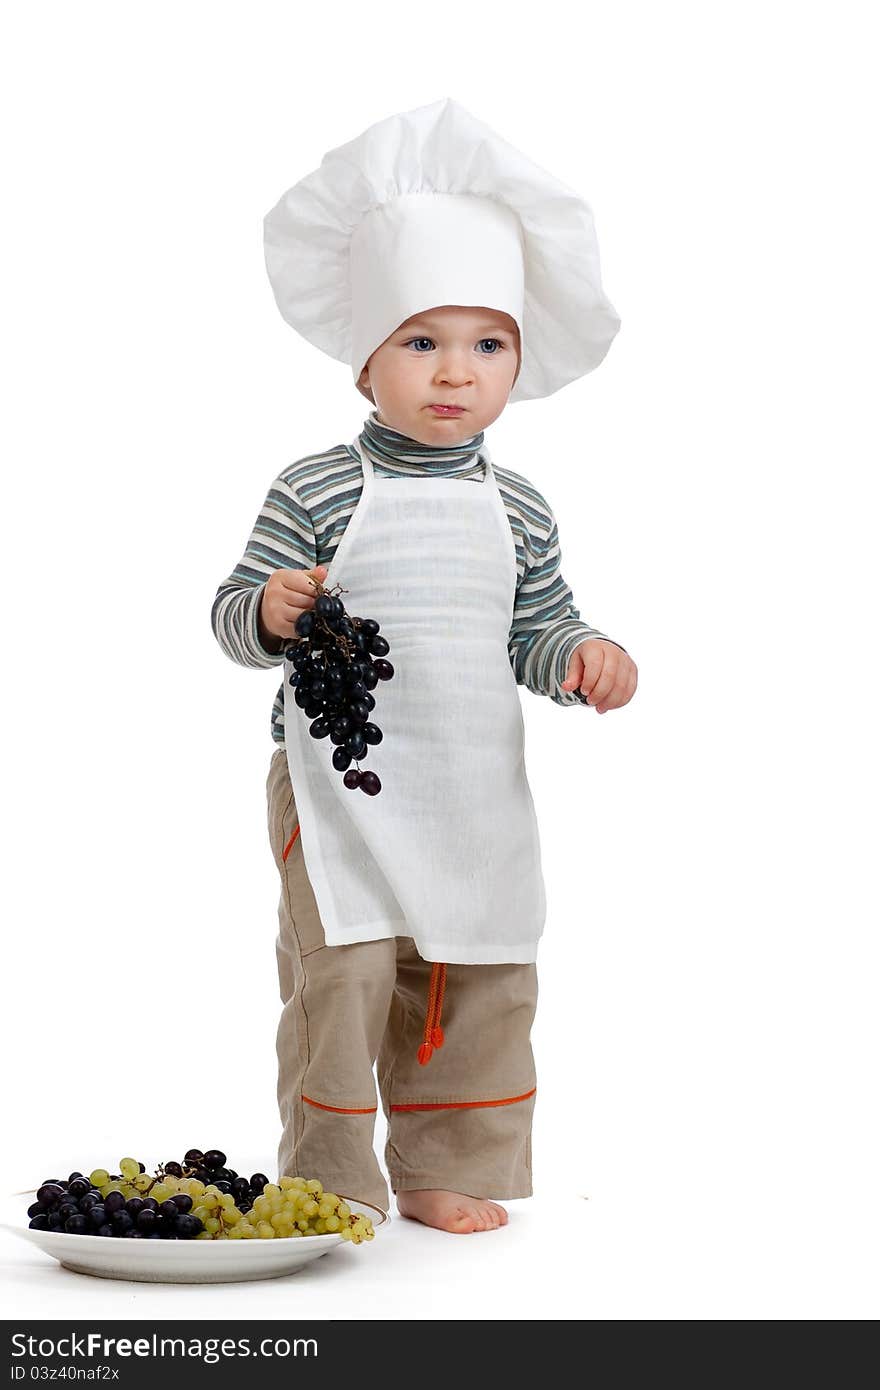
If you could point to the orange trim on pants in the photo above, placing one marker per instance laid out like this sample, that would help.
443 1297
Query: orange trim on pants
468 1104
289 846
338 1109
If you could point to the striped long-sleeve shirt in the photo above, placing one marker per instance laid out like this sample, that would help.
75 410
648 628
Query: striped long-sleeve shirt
311 502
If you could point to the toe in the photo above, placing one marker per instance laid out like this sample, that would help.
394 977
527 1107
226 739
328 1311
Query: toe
464 1221
500 1214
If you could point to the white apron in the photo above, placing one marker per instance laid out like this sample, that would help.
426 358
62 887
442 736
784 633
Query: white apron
447 852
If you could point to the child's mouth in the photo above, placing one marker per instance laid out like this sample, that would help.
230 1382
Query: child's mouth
448 409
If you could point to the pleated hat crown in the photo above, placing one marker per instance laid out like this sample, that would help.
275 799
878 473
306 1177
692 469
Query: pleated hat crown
431 207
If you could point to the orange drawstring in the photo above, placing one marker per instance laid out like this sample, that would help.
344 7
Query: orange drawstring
433 1031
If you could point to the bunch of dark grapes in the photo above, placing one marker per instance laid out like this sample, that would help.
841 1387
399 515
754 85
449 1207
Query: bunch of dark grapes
337 663
138 1205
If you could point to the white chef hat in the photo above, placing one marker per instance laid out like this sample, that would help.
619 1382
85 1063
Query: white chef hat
430 207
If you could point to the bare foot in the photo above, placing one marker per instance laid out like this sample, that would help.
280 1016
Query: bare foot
451 1211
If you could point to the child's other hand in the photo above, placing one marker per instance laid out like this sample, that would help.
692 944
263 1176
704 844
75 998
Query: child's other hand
604 673
287 594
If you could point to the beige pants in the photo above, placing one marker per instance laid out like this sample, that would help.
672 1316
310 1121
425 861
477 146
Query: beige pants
463 1121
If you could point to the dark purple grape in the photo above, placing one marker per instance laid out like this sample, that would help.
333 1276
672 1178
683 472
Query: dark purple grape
188 1226
74 1175
371 677
360 710
39 1221
105 1230
384 670
223 1184
134 1206
78 1225
147 1221
121 1222
91 1199
36 1209
56 1221
79 1186
319 728
341 758
324 606
338 607
151 1203
302 697
357 690
314 709
66 1209
175 1169
240 1184
169 1208
182 1201
258 1182
357 744
370 783
379 647
318 689
340 729
370 700
305 622
114 1201
352 778
362 642
372 733
97 1214
50 1192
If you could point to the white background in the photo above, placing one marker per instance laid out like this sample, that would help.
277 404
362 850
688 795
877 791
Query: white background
706 1126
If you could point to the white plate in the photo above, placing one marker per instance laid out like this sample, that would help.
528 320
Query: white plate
178 1261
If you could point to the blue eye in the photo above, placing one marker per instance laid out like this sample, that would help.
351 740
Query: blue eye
497 347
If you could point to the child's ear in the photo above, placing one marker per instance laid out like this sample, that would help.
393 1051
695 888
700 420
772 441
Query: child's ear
363 385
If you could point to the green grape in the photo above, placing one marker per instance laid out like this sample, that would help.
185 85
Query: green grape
99 1177
129 1167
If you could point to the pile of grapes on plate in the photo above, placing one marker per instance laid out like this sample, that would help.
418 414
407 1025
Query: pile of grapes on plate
337 663
198 1199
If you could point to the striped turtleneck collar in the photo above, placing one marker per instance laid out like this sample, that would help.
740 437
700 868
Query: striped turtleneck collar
398 452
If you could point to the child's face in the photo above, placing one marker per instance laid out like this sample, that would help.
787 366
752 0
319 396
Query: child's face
449 355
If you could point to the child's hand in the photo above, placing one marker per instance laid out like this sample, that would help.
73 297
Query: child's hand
287 594
604 673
